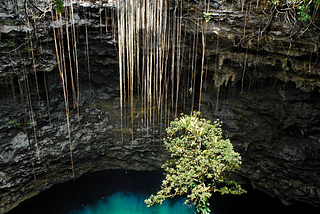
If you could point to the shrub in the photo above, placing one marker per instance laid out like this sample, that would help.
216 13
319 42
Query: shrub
199 161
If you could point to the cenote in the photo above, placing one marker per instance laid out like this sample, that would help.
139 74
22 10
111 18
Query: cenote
123 192
92 85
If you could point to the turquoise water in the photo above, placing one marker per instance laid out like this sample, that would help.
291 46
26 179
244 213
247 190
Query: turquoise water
133 203
123 192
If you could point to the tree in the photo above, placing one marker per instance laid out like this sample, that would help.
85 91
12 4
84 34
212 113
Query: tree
199 162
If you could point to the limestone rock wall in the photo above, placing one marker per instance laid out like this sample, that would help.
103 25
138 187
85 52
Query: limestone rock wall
29 165
265 71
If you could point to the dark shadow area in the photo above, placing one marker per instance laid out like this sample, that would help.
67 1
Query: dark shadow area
90 188
255 202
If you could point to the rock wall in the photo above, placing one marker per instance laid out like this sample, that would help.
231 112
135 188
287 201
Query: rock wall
29 165
265 89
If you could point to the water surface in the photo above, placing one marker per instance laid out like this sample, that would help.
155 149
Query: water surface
132 203
123 192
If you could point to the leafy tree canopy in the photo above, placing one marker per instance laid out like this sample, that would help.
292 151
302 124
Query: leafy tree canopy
59 6
199 161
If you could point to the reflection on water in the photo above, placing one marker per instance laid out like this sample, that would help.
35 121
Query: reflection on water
132 203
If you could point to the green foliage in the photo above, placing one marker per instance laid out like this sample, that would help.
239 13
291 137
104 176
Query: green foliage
275 2
199 161
59 6
29 49
11 43
303 7
304 13
13 123
207 16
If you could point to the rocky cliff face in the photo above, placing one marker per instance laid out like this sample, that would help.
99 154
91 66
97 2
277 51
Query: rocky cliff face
265 89
29 164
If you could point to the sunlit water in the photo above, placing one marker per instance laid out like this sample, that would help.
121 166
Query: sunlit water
124 192
132 203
